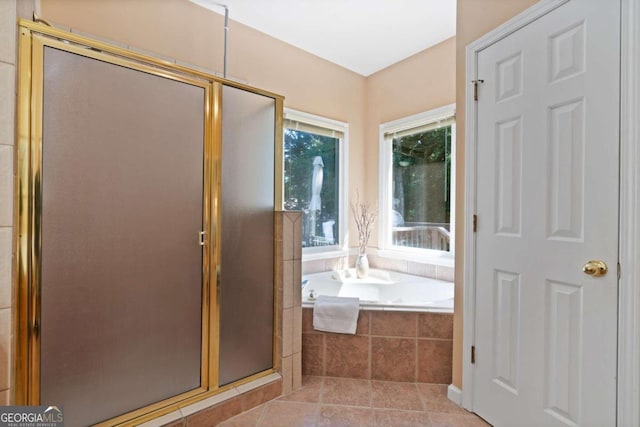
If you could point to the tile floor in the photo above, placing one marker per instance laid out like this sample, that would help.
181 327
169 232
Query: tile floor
345 402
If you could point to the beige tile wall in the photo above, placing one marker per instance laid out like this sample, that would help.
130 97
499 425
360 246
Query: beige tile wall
289 237
8 16
388 345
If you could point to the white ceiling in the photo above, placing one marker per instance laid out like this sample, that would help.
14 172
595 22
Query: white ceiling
364 36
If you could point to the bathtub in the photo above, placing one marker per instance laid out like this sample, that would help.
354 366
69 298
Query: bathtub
381 291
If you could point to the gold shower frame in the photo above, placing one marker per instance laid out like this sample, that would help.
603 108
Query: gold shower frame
33 37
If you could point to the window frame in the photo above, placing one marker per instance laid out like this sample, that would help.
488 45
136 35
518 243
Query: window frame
385 247
341 248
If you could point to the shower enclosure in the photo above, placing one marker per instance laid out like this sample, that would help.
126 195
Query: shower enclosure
145 249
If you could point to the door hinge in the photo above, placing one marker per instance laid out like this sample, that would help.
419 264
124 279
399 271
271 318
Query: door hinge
473 354
619 271
202 238
475 88
475 223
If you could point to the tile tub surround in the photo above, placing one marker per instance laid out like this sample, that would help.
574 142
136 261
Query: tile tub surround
388 346
328 401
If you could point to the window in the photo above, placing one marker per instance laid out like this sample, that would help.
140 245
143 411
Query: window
416 189
314 178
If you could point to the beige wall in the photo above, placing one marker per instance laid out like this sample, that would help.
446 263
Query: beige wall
474 18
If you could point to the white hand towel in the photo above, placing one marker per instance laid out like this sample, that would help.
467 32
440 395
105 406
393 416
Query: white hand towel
336 314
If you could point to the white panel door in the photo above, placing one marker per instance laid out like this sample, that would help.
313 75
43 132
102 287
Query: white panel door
547 202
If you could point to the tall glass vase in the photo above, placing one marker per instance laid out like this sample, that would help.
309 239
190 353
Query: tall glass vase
362 265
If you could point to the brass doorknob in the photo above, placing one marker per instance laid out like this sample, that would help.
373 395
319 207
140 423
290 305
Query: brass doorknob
595 268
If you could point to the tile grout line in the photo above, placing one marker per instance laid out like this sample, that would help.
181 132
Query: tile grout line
420 397
321 394
324 355
262 411
434 339
416 370
369 348
320 402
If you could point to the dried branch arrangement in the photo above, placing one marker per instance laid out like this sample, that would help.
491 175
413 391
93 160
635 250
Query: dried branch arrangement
364 216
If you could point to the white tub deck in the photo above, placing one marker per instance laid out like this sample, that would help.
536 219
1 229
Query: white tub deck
382 291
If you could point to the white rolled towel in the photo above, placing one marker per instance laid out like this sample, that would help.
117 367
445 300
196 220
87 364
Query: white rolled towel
336 314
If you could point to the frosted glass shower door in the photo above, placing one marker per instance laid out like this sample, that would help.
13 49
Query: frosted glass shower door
121 265
246 227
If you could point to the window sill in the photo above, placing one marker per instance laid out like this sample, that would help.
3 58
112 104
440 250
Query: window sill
327 254
444 260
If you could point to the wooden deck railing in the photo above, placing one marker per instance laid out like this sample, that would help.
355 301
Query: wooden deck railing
422 235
